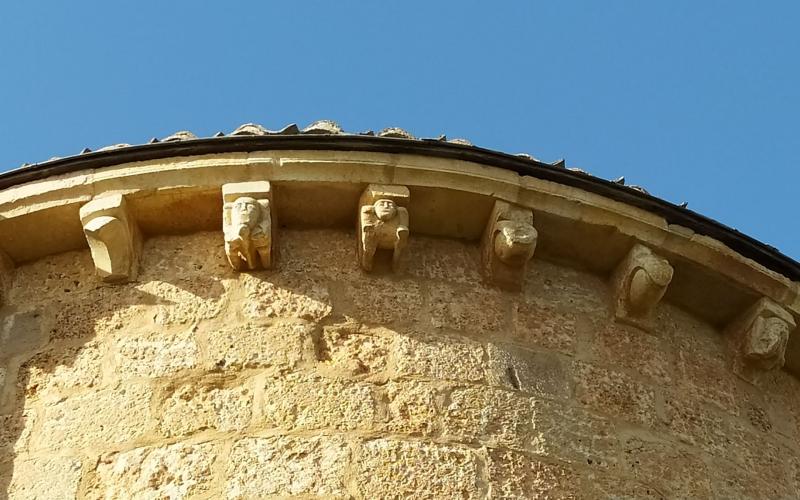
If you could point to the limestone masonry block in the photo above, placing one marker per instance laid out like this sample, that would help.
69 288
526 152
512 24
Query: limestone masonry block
382 223
113 236
247 222
640 281
761 335
508 244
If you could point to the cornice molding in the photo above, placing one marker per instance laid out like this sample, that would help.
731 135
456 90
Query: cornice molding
446 190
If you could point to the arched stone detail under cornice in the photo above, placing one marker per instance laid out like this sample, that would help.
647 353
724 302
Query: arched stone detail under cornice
580 221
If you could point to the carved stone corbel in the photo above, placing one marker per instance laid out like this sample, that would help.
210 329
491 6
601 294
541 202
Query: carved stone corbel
640 282
113 236
508 244
247 222
382 223
760 336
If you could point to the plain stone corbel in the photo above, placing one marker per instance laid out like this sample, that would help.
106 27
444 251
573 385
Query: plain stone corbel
640 282
508 244
382 223
760 337
247 224
113 236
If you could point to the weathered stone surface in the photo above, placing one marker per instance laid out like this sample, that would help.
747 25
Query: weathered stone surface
174 472
637 352
439 259
514 475
614 394
97 418
279 346
284 295
437 357
670 469
285 466
382 300
61 368
350 349
413 407
157 353
402 469
22 332
573 435
490 417
15 432
53 478
454 307
527 371
537 324
309 402
205 404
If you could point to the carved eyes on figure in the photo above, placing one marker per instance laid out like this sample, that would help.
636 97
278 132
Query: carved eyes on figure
385 209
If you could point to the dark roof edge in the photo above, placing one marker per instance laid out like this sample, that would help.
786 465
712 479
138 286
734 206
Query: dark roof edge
749 247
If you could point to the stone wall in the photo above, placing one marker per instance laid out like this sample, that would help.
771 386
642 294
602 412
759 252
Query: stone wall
318 380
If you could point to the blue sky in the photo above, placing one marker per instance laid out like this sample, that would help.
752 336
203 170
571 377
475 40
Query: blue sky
696 101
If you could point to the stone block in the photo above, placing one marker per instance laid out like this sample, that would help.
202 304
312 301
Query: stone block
532 372
381 300
353 350
614 394
60 368
96 419
670 469
413 407
393 469
53 478
278 346
572 435
284 295
280 467
158 353
491 417
176 471
639 282
470 309
247 224
204 404
541 325
22 333
440 259
437 357
621 346
306 402
517 476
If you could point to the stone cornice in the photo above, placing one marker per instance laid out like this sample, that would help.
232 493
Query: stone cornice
648 248
764 254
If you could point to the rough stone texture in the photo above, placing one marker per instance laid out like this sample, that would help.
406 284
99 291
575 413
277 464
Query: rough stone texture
513 475
52 478
438 357
174 472
402 469
314 379
278 346
284 466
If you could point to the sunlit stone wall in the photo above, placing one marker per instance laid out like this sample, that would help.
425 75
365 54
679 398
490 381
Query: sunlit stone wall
318 380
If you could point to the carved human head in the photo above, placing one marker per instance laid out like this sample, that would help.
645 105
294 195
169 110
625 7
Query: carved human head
385 209
246 211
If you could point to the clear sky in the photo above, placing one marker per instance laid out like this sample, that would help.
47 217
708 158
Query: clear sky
697 101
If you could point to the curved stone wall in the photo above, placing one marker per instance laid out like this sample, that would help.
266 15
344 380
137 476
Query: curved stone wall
628 358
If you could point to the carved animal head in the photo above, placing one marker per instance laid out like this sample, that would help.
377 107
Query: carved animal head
385 209
766 341
515 242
